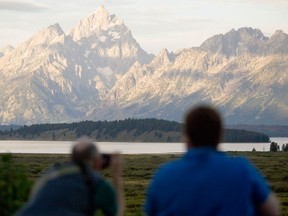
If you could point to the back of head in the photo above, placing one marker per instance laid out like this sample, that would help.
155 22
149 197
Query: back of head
84 152
203 127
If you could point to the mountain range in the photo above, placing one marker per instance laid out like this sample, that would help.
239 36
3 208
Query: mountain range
98 71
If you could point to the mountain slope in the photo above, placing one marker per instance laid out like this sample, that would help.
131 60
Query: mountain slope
58 77
98 71
43 79
6 49
248 86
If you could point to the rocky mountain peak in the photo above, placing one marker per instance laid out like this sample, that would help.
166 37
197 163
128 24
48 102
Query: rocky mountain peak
244 40
104 37
279 34
99 19
250 32
6 49
163 58
164 52
44 37
98 22
277 43
101 11
55 29
99 71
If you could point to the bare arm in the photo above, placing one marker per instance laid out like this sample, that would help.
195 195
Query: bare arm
116 168
271 206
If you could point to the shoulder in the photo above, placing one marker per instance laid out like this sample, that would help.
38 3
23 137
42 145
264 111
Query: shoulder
165 171
234 161
105 197
104 186
259 186
170 166
53 173
244 164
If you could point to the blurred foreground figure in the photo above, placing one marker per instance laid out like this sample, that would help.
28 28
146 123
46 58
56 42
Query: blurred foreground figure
207 182
77 188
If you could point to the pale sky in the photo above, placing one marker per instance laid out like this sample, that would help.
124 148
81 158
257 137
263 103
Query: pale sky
155 24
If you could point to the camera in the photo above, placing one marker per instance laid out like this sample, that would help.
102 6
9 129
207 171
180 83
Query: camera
106 159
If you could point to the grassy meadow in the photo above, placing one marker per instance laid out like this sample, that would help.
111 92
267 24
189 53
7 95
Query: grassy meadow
140 168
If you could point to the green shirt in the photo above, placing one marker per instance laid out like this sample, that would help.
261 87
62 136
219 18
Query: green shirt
106 198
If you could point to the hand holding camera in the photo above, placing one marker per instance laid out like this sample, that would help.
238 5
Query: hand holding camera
116 165
114 161
105 160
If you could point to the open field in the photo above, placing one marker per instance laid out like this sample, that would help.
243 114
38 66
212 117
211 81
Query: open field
140 168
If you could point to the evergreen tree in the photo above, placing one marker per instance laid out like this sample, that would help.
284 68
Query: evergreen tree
274 147
285 147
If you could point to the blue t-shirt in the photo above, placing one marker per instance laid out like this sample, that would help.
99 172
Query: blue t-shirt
206 182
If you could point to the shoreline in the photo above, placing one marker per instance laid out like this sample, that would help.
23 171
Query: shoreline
64 147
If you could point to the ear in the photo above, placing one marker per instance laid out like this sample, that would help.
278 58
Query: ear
97 164
187 142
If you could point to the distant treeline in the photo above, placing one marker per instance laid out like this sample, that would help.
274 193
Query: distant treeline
244 136
270 130
142 130
7 127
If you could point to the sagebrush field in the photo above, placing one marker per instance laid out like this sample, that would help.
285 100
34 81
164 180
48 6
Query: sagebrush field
139 169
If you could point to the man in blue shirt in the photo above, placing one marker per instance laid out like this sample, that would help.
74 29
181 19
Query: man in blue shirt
207 182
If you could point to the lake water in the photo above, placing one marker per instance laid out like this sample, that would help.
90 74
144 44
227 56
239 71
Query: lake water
63 147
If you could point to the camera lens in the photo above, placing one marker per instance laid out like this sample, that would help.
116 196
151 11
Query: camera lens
105 160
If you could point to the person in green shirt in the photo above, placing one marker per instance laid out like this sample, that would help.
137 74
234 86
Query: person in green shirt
77 187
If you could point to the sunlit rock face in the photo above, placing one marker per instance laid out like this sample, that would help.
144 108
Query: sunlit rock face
58 77
243 73
98 71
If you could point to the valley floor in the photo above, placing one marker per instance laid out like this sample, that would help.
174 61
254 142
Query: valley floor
139 170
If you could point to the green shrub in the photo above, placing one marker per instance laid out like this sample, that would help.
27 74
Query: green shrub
14 186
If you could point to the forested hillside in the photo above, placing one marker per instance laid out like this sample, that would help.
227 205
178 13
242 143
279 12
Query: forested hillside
270 130
8 127
141 130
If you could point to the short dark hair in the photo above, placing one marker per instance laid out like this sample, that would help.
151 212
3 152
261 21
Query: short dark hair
203 126
84 152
